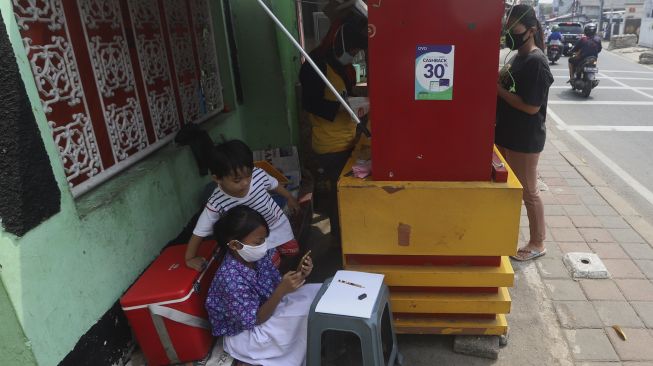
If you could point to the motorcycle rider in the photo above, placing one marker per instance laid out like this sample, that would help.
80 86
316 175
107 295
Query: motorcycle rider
588 46
554 39
555 35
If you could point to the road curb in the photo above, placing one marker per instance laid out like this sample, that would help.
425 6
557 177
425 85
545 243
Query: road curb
618 203
618 54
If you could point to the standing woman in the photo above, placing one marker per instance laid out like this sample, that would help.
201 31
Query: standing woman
520 131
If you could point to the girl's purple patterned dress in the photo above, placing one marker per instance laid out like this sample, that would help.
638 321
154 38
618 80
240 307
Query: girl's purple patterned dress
237 292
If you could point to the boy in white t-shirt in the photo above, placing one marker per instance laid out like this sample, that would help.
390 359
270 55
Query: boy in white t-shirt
240 183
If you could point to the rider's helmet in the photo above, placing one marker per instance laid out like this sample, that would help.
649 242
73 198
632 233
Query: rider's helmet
555 28
590 29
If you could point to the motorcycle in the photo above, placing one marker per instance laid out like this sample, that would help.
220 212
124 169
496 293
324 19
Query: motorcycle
553 51
566 50
585 76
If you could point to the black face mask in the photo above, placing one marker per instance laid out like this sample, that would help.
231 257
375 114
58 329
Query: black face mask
514 41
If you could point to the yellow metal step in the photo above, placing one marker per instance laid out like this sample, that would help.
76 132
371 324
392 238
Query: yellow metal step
446 303
496 326
443 276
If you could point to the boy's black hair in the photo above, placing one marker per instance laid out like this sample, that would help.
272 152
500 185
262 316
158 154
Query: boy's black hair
236 224
230 157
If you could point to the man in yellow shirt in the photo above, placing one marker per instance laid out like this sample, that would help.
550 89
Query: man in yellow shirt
333 130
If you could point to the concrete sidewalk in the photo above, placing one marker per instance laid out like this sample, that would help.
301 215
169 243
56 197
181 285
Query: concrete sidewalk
556 320
630 53
584 215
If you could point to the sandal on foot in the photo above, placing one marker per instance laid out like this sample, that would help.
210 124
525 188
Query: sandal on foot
530 254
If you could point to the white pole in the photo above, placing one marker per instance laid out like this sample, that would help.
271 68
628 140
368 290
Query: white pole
310 61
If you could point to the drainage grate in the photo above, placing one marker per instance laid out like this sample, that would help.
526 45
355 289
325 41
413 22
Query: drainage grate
585 265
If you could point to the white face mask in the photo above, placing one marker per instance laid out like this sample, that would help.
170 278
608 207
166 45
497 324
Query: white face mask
251 253
346 58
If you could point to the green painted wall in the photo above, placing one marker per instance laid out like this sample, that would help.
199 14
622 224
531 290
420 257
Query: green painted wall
267 72
63 275
289 58
14 346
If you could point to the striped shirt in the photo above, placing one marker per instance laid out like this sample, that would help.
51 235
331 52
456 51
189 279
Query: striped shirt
257 198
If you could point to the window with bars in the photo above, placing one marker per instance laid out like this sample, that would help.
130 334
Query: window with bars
118 78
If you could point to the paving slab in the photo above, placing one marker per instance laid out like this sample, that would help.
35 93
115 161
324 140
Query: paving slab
553 250
568 199
636 347
564 290
590 345
562 189
566 235
548 198
572 158
636 290
643 227
646 267
559 222
548 172
609 250
593 178
623 268
551 267
577 182
565 168
638 251
617 313
574 247
626 236
613 222
592 199
645 311
587 221
570 175
602 210
601 290
616 201
554 210
577 314
576 210
596 235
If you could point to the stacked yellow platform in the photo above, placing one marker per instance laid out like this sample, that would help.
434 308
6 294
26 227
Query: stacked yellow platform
442 247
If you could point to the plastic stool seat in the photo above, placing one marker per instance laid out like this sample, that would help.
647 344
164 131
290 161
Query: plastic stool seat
369 331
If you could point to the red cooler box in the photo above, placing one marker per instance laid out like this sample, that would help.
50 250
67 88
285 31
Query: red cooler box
165 307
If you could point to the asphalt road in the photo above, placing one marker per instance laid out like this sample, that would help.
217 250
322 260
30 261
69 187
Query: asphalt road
612 130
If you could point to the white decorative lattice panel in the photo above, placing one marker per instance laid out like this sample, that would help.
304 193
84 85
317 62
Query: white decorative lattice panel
208 59
154 65
115 77
46 39
126 131
183 57
77 147
163 105
113 72
113 69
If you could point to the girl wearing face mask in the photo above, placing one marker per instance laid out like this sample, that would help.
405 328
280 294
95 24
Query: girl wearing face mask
333 132
261 315
520 130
